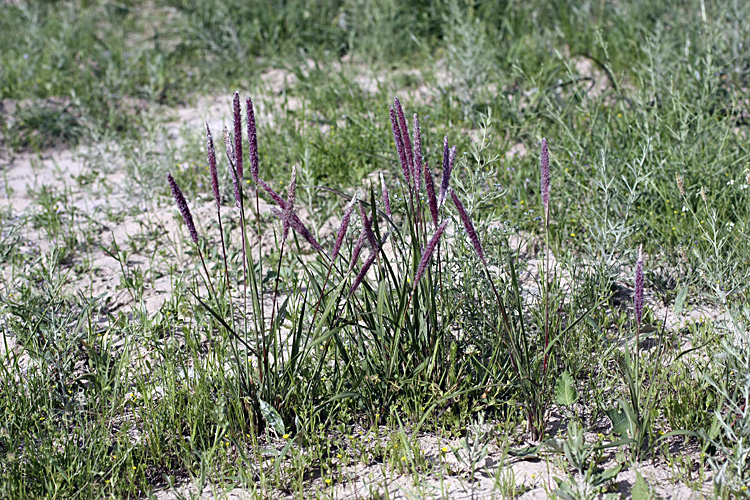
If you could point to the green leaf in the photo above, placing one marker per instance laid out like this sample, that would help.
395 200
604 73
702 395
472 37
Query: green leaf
641 490
679 302
272 417
565 391
619 419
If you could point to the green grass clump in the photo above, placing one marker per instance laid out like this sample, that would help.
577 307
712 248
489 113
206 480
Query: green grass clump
404 303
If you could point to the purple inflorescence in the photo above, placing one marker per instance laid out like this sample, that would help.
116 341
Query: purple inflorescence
237 135
252 140
230 160
469 227
386 198
211 156
363 271
400 146
449 156
404 133
429 184
544 178
417 166
182 206
289 210
342 228
427 252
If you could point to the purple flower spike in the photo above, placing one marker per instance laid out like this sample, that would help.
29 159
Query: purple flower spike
290 203
404 132
417 174
362 272
273 194
386 198
445 152
449 156
357 250
639 287
429 184
342 228
237 134
233 171
211 156
400 146
544 178
182 206
296 224
427 253
252 140
367 227
469 227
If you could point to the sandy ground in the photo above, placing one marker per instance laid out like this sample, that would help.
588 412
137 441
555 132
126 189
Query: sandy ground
155 221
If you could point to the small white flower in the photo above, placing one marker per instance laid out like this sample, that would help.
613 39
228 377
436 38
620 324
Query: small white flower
730 183
684 208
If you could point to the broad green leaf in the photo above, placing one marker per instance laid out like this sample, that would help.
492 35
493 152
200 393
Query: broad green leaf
565 391
619 419
272 417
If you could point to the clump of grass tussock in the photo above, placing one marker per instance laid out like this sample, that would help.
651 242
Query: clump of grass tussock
395 319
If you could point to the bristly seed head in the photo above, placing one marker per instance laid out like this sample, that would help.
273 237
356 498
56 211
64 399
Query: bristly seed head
638 294
449 157
237 134
211 156
363 271
357 249
427 253
230 160
273 194
680 185
429 184
469 227
405 139
545 178
343 228
417 173
386 198
397 139
292 193
252 140
367 227
296 224
182 206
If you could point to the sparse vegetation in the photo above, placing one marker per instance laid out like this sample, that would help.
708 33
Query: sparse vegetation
533 281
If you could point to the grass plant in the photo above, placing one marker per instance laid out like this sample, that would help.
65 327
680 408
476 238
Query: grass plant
554 238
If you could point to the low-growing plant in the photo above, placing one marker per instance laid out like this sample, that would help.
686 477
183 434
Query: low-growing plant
528 341
730 434
588 480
